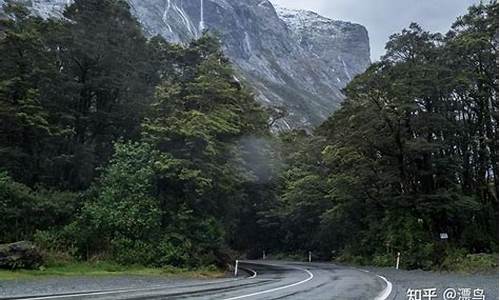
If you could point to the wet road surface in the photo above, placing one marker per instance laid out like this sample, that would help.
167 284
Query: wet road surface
258 280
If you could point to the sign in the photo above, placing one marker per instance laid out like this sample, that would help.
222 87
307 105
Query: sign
444 236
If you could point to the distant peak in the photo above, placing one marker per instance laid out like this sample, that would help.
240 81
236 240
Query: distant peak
302 17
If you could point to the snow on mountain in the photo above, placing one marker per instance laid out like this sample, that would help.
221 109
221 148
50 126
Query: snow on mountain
291 58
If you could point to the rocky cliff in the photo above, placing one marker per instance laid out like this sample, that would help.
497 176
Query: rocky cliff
294 59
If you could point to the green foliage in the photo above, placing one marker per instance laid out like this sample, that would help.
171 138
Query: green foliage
105 268
124 213
158 200
460 261
25 210
174 162
125 204
411 154
68 89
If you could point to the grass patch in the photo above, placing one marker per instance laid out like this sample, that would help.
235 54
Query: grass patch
471 263
101 268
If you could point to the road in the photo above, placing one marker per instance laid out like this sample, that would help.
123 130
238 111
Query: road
259 280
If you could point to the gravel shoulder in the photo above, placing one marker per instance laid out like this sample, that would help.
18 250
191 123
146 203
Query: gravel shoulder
419 280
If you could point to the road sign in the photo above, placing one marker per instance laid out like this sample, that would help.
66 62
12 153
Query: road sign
444 236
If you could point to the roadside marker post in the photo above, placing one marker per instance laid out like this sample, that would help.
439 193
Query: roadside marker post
397 260
310 256
236 268
264 255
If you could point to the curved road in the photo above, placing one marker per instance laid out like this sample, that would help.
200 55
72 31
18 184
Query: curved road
261 280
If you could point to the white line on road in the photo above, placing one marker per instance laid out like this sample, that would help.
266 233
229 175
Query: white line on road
311 276
388 289
76 295
254 273
385 293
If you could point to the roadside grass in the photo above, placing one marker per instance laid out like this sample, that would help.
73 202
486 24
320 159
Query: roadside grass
457 261
103 268
472 263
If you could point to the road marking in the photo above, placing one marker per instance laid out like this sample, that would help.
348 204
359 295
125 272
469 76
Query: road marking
388 289
76 295
311 276
254 273
385 293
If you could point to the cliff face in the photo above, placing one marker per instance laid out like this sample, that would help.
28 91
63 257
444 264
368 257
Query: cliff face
295 59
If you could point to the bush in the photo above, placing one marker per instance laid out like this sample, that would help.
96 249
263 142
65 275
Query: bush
127 222
384 260
133 252
174 252
353 259
457 260
120 216
24 210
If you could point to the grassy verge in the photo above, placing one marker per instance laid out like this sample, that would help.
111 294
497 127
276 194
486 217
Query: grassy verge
472 263
457 261
107 269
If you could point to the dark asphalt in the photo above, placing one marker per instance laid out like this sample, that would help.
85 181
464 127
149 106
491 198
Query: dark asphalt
261 280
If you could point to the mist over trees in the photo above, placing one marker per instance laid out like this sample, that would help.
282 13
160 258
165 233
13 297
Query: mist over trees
139 151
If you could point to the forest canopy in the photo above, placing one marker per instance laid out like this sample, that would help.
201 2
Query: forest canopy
132 149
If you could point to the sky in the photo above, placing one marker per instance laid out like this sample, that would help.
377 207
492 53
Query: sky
385 17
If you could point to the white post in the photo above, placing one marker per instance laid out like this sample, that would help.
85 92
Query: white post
264 255
310 256
397 260
236 268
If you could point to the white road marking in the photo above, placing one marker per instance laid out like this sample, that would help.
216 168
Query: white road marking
311 276
388 289
385 293
76 295
254 273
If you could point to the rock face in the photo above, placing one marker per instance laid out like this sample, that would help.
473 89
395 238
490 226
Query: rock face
294 59
21 255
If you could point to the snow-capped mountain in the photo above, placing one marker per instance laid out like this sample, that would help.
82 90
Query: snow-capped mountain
291 58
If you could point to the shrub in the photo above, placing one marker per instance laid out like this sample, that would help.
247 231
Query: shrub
384 260
133 252
457 260
24 210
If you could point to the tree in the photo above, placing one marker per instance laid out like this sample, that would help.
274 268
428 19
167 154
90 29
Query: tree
28 69
69 88
198 118
408 156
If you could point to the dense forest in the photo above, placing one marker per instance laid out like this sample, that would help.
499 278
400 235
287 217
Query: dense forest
131 149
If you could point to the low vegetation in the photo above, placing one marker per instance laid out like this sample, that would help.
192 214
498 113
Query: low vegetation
75 269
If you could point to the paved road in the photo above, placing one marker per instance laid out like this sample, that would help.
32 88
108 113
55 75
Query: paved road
261 280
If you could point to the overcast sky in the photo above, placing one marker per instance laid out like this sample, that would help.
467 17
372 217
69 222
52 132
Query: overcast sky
385 17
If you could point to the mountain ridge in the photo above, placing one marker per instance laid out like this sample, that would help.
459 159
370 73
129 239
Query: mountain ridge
292 59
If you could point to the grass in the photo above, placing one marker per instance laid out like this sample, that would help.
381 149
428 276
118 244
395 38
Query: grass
106 269
471 263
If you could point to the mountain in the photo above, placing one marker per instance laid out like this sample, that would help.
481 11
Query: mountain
294 59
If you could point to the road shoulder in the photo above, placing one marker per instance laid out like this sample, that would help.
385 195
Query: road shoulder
419 280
